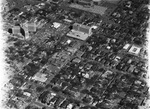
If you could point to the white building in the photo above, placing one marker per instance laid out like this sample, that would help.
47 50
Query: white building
80 31
40 77
127 46
135 50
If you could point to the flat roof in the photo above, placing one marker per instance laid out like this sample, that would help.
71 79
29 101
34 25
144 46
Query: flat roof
112 1
94 9
56 25
78 35
97 0
16 29
40 77
30 26
135 49
126 46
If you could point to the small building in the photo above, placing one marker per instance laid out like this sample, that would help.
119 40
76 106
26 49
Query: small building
40 77
108 72
77 60
70 106
127 46
131 68
117 58
68 20
56 25
28 94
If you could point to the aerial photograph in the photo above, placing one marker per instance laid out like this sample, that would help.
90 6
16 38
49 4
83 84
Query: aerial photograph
76 54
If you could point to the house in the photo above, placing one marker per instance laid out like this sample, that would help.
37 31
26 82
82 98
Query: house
40 77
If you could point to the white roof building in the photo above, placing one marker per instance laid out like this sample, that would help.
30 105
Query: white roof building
70 106
27 94
80 31
82 28
135 50
40 77
117 58
56 25
127 46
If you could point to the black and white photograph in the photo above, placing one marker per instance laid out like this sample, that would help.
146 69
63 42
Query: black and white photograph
74 54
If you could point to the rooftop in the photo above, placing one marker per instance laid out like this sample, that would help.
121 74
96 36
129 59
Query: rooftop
40 77
135 49
78 35
94 9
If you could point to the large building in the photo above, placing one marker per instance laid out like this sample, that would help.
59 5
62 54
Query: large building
82 28
112 1
85 2
88 2
93 6
95 2
80 31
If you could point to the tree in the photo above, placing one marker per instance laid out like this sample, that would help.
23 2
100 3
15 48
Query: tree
39 89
